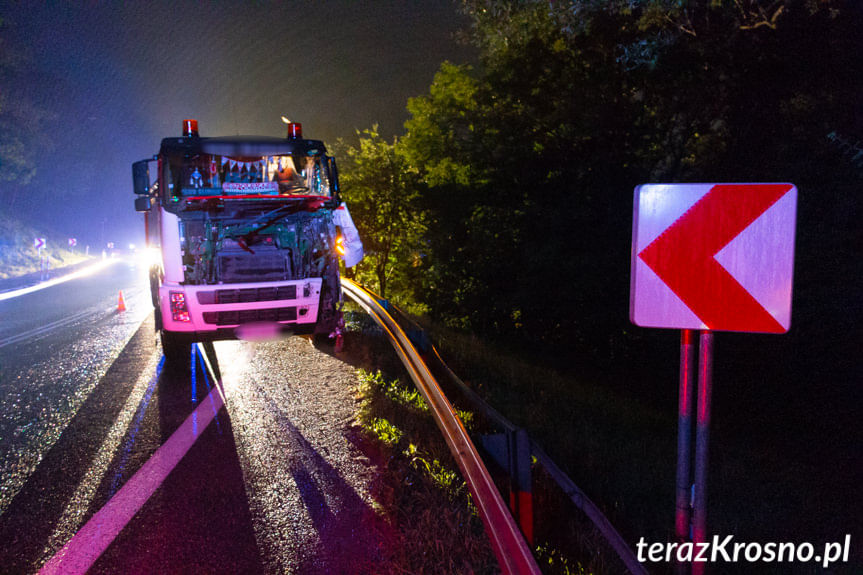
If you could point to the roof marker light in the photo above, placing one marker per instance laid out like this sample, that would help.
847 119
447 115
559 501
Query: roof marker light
295 131
190 128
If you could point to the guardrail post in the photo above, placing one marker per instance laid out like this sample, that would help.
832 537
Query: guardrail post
511 450
521 482
497 446
420 339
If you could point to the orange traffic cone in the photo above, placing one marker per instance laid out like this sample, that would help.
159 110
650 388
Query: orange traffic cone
121 304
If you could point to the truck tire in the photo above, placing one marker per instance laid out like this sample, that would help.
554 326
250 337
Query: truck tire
177 350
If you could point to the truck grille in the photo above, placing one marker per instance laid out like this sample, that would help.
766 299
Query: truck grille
236 317
247 295
265 265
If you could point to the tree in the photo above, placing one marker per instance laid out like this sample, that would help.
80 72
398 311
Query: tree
530 158
21 127
382 194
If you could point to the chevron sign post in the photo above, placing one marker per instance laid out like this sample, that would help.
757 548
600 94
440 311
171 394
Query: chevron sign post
709 257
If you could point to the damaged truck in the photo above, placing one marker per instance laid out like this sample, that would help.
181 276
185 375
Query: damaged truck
251 230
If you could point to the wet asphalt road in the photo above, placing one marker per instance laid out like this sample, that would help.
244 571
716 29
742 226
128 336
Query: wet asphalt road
55 345
276 483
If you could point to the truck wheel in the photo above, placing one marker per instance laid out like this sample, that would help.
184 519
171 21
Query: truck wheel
176 349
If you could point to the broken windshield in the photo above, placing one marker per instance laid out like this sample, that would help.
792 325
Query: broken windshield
205 175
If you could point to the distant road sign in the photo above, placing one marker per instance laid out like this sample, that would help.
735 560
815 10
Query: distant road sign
39 243
73 242
713 256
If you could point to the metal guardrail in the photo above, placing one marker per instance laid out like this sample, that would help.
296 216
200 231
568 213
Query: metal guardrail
569 488
509 546
576 495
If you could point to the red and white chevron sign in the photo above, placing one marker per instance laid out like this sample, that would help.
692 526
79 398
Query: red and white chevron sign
713 256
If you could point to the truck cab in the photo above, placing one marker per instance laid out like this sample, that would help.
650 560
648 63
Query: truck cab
251 230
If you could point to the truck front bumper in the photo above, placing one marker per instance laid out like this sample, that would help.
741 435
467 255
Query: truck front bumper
218 310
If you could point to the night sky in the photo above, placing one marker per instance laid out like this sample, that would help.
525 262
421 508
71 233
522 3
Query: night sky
115 79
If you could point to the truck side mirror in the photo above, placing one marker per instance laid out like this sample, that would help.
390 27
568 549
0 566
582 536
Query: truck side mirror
333 174
141 177
143 204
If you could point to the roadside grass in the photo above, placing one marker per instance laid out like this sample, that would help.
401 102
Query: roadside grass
620 449
421 490
18 256
421 494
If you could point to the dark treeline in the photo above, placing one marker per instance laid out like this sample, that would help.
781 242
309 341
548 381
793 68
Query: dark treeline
505 207
22 120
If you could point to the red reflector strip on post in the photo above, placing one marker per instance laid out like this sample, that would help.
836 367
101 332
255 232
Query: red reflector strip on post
521 504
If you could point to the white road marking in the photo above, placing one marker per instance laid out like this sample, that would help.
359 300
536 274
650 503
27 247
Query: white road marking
88 544
44 330
70 520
